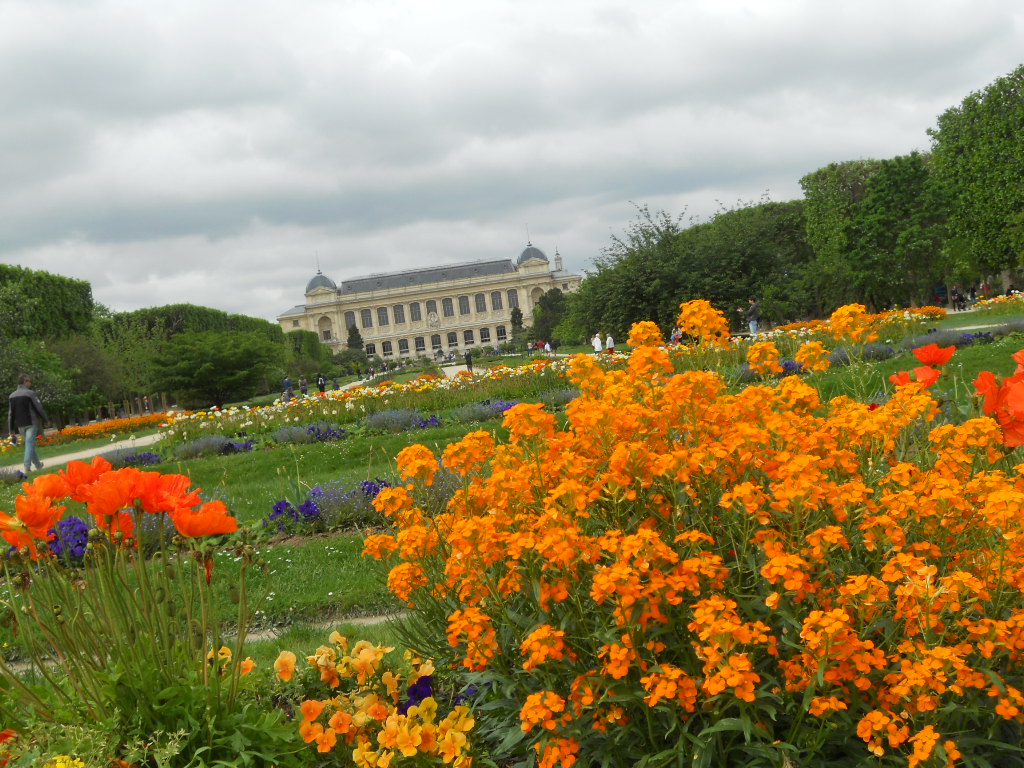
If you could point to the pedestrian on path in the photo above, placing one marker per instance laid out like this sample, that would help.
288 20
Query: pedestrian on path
469 361
597 343
25 416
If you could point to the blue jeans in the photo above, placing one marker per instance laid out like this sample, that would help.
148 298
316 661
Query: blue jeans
28 436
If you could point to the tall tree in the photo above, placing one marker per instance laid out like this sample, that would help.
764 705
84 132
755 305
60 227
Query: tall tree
831 197
548 313
355 338
979 152
897 234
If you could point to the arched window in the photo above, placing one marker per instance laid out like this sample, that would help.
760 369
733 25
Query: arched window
431 306
403 346
350 319
435 341
386 348
467 338
500 332
367 317
399 311
496 300
421 344
481 302
513 298
447 307
414 312
382 315
371 349
463 305
453 339
485 335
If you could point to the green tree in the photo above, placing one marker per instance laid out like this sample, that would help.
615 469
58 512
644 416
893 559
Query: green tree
214 368
897 234
831 197
547 314
355 338
979 153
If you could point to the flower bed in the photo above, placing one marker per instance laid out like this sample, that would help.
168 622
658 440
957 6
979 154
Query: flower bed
712 578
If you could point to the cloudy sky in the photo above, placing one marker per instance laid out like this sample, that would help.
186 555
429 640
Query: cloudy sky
215 151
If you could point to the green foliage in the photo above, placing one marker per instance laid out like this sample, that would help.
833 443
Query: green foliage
756 250
355 339
896 234
35 303
216 367
50 380
547 314
831 196
979 153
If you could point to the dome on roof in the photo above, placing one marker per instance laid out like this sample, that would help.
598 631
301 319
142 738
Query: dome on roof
530 252
320 280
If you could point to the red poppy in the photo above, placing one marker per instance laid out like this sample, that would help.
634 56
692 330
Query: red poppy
1004 401
933 354
209 519
1018 357
922 375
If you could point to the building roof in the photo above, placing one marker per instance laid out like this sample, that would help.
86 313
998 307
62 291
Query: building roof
416 277
299 309
531 252
320 280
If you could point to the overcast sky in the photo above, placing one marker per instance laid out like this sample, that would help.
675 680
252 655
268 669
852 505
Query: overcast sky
212 152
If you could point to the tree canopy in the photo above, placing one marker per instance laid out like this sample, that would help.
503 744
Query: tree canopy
979 153
217 367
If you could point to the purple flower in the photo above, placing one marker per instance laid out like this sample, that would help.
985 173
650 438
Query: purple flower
71 535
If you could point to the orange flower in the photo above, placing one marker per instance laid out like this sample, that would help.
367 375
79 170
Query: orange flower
211 518
311 709
922 375
285 665
933 354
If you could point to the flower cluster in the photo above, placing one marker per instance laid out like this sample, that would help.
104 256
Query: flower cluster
110 496
104 428
763 358
363 708
843 570
813 356
701 321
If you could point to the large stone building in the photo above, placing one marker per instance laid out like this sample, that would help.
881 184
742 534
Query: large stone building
422 311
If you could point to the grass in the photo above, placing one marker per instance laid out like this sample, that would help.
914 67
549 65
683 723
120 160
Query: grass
976 318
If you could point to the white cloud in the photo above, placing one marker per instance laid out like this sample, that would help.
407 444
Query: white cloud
209 152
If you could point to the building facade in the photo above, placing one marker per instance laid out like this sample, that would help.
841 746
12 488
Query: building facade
436 309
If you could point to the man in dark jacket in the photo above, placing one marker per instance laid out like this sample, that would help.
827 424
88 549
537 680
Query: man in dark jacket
25 415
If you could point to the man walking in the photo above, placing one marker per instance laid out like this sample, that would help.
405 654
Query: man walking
26 416
752 315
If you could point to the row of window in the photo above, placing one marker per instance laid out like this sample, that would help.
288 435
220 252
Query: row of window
447 309
452 338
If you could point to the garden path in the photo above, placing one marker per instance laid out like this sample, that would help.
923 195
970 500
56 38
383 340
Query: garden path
85 455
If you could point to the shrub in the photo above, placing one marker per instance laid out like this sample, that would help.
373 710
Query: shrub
327 507
130 457
317 432
397 420
210 445
556 398
11 475
706 578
